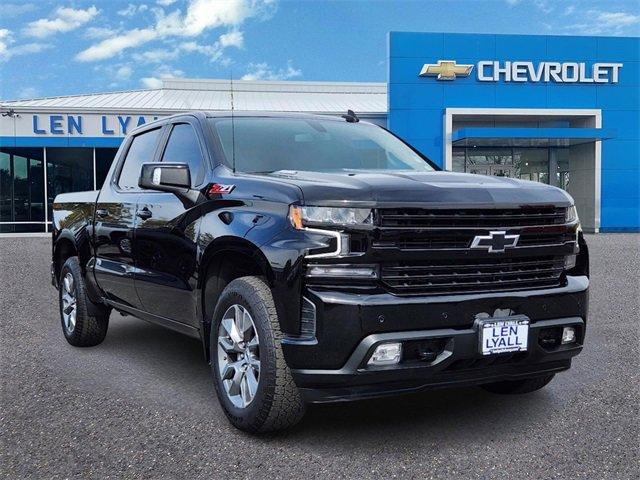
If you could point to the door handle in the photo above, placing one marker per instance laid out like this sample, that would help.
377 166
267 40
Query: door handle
144 213
102 213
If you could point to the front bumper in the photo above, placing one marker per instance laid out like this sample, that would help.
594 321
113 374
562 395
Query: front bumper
350 326
458 364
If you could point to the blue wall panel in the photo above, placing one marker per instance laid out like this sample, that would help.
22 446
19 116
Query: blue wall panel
417 104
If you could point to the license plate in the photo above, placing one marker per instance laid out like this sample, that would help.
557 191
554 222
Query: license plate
502 336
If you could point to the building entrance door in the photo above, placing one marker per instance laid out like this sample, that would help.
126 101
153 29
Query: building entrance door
539 164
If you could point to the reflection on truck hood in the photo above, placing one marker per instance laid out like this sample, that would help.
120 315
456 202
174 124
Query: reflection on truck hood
420 187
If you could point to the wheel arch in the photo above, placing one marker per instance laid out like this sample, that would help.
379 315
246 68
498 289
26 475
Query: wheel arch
65 246
225 259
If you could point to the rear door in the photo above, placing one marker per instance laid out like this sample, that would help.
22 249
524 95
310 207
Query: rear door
166 233
115 219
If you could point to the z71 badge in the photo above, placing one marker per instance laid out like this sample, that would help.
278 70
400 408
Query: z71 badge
218 188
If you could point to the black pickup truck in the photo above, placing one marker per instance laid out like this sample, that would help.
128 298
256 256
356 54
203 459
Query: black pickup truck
322 259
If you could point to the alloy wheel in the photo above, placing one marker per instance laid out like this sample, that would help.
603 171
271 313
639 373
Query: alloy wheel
69 303
239 355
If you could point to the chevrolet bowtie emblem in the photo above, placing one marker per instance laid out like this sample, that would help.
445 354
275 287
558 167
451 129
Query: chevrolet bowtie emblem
496 242
446 70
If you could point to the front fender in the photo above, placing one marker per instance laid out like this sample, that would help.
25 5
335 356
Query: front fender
253 229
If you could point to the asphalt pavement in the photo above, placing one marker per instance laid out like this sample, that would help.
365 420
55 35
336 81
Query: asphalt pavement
142 404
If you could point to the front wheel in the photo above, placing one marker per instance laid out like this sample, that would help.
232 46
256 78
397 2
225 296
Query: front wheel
516 387
253 382
84 323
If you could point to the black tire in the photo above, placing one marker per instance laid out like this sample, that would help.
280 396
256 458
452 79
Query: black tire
277 404
518 387
91 320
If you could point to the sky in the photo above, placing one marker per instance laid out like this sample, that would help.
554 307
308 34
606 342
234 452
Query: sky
65 47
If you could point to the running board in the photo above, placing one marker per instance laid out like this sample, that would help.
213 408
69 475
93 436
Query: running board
156 319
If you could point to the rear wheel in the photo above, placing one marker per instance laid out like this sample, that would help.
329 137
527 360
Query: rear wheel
518 386
84 323
253 382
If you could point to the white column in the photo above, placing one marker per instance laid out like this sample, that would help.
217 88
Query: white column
95 187
46 195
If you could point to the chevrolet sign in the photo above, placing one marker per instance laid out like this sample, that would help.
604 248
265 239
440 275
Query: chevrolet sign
557 72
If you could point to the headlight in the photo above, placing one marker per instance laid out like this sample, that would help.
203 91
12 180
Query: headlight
303 216
571 215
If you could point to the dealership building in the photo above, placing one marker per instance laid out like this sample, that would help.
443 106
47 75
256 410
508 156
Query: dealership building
554 109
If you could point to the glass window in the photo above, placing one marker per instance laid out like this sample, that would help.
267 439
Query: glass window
68 170
183 147
22 227
263 144
36 189
562 168
141 151
21 186
104 159
458 159
533 163
6 188
491 156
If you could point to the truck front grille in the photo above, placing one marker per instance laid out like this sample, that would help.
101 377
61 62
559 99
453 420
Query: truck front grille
483 218
451 239
428 251
473 275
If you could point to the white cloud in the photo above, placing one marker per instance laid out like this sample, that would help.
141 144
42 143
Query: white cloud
11 10
28 92
599 22
112 46
7 51
158 55
162 72
132 10
6 39
65 20
116 74
201 15
232 39
262 71
544 6
213 51
97 33
151 82
570 9
618 19
205 14
165 3
124 72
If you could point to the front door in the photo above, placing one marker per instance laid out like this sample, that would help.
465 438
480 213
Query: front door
166 235
115 219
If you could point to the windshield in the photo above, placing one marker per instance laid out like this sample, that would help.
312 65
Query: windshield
266 144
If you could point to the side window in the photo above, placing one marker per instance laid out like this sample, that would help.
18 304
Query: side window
183 147
141 151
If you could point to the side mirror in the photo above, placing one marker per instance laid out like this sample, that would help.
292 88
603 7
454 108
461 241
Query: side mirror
166 177
169 177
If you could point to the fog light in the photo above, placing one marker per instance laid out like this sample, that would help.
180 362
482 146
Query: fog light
568 335
569 262
342 271
386 354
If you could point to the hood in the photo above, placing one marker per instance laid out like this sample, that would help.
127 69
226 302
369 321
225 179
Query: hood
419 188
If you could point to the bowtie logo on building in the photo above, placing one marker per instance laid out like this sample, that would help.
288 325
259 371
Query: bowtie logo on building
445 70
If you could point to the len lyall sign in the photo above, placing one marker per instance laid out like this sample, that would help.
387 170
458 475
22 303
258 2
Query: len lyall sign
71 125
